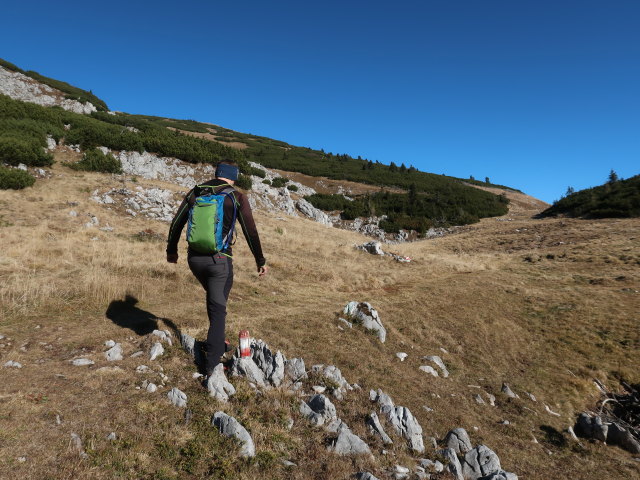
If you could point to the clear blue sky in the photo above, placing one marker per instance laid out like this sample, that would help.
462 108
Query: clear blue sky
537 95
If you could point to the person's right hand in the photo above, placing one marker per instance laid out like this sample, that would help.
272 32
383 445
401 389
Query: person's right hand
262 271
172 257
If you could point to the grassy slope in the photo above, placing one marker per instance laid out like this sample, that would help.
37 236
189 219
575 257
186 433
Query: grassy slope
544 305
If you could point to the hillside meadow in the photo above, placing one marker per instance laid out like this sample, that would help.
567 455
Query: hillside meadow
544 305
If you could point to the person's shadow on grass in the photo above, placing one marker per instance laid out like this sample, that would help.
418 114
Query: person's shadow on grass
126 314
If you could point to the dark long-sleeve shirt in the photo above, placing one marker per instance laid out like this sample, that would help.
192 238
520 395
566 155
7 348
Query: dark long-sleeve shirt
244 215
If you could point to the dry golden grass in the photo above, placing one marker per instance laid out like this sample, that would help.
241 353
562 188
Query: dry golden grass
545 305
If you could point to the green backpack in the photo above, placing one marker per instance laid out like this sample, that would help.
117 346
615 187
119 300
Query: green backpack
206 219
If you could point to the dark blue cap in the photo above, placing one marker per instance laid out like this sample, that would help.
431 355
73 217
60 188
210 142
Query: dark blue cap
227 171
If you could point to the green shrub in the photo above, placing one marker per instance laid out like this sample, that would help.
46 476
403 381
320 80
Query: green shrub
266 181
11 178
293 188
96 161
244 182
25 150
279 182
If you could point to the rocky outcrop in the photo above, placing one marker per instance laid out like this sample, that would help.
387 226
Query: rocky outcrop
156 203
21 87
401 419
363 313
593 426
218 385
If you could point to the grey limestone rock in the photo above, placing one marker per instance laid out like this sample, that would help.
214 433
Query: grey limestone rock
218 385
294 369
349 443
364 313
177 397
156 350
163 335
365 476
323 406
500 475
508 392
114 353
480 462
374 248
79 362
313 417
188 343
230 427
431 466
245 366
439 363
312 212
458 440
272 364
452 463
402 420
622 437
76 441
374 425
429 369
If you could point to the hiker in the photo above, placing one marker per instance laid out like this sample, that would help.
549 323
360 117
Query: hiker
209 253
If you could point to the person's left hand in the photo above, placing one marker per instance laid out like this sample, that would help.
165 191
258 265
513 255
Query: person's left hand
262 271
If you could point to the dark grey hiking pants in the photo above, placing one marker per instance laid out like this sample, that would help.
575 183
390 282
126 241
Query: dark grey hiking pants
215 273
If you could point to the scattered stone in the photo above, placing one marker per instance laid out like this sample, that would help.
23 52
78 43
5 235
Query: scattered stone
492 399
548 410
142 369
365 476
401 356
439 363
480 462
478 398
163 335
58 420
12 364
400 472
109 343
287 463
347 323
79 362
112 437
349 443
313 417
458 440
403 422
531 396
136 354
508 392
230 427
374 248
365 314
374 425
114 353
452 463
501 475
245 366
156 350
151 387
188 344
76 442
22 459
196 375
177 397
429 369
294 369
505 422
218 385
323 407
318 388
431 466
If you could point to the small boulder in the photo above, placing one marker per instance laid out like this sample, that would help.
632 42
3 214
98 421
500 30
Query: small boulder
177 397
364 313
245 366
429 369
218 385
156 350
349 443
114 353
452 463
323 406
230 427
79 362
294 369
376 427
458 440
508 392
435 359
480 462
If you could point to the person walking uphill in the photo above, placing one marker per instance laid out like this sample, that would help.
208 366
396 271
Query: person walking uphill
209 235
